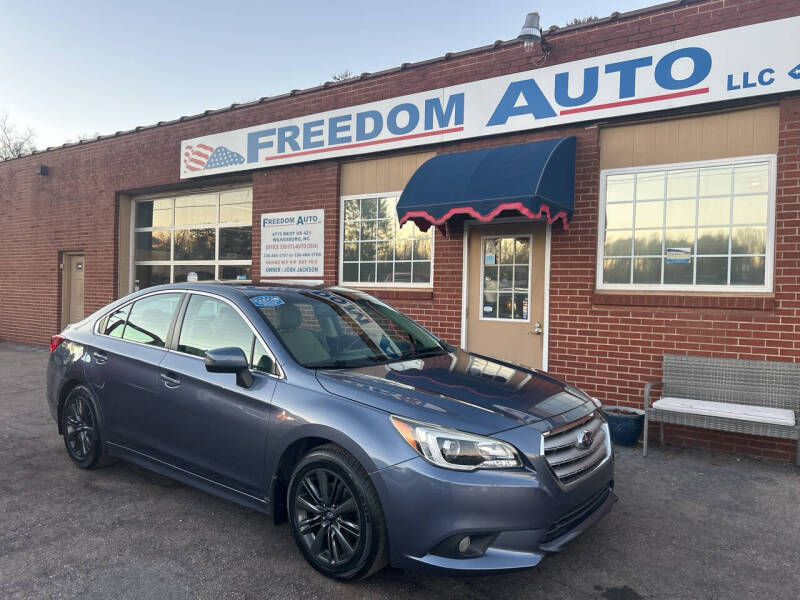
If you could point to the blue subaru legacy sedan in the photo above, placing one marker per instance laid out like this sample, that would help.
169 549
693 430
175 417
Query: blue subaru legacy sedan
327 408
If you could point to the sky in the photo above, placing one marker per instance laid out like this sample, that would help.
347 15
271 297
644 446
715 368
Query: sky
86 67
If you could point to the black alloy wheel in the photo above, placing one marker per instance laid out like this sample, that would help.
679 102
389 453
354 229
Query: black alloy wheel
81 429
335 515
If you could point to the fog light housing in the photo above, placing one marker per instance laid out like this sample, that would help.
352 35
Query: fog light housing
472 545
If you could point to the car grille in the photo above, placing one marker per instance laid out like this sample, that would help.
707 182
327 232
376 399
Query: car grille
570 462
576 516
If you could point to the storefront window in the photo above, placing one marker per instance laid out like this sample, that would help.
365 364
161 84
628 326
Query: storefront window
377 251
703 227
197 237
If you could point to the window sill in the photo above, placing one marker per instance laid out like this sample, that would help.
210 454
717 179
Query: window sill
733 302
399 294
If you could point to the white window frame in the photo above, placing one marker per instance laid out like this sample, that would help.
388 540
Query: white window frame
216 263
769 259
483 277
372 284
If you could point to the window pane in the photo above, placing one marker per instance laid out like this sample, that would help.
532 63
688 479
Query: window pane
351 230
712 270
748 240
386 208
712 241
649 214
385 271
618 243
367 251
650 186
617 270
385 229
491 249
369 230
714 211
647 242
751 178
520 279
234 272
522 251
422 272
203 272
715 181
504 302
619 188
619 216
677 273
402 250
369 208
152 245
489 305
747 270
490 278
506 279
235 243
154 213
150 275
116 322
194 244
210 324
352 209
681 213
385 250
350 251
150 318
679 238
520 307
749 209
350 272
262 360
236 206
402 272
366 271
422 249
647 270
506 251
682 183
196 210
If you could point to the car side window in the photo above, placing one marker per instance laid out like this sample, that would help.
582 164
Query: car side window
115 323
210 323
262 360
149 319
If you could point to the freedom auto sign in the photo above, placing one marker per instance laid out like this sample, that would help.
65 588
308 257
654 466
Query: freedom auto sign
725 65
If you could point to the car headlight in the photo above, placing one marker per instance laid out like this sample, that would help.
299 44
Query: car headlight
454 449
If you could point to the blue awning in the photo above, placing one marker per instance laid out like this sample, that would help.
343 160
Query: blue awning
536 180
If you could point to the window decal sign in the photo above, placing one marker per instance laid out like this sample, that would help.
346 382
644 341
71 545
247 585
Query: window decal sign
292 244
679 255
266 301
724 65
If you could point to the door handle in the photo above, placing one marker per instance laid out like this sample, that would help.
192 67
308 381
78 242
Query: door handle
100 357
537 329
170 379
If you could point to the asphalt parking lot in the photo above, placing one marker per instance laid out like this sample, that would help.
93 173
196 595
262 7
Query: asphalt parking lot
688 524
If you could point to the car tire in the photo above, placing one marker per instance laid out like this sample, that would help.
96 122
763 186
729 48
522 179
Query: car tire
80 424
335 515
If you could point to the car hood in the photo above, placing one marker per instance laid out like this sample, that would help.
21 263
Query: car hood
461 390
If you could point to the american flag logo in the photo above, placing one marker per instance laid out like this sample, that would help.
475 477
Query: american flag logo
202 156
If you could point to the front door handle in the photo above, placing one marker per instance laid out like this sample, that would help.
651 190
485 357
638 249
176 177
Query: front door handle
537 329
100 357
170 379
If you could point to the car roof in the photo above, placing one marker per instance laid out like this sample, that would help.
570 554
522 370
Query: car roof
231 290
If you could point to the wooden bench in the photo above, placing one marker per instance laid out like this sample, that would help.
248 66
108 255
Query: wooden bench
742 396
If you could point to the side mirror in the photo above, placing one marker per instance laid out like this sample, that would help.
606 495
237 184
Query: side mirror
230 360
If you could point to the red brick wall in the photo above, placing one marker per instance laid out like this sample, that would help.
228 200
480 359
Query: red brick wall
608 349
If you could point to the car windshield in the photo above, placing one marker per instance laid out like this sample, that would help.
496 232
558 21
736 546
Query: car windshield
336 328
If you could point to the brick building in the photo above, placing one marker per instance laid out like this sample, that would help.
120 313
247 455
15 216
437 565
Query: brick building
680 231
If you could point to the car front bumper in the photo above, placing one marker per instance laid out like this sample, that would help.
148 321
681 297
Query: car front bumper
523 514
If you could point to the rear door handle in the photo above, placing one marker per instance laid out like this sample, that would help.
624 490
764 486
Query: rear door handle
100 357
170 379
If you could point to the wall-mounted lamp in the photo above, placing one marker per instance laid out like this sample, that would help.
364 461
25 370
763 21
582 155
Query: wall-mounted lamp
44 170
531 34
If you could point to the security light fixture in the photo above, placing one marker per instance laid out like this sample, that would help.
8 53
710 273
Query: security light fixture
531 34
